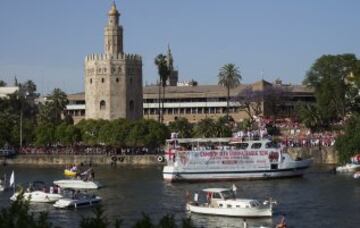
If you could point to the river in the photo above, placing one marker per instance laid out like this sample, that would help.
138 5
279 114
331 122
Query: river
319 199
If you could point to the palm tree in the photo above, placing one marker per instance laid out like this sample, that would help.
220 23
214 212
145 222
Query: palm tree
164 71
230 77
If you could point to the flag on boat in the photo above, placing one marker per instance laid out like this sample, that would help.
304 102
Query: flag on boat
12 179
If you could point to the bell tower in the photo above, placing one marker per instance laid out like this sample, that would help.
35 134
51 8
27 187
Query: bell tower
113 34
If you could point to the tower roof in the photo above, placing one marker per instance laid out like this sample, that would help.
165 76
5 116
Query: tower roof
113 11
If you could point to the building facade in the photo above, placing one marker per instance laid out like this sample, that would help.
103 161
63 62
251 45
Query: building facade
204 101
113 79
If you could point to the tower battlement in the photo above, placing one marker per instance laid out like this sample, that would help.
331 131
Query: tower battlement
105 56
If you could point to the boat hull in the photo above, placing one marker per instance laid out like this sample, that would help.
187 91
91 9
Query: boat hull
231 212
38 197
170 173
77 184
68 203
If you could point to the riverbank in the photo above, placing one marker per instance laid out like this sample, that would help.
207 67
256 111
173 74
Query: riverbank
325 155
50 159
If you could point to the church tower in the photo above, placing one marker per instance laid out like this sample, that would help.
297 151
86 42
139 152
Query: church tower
113 80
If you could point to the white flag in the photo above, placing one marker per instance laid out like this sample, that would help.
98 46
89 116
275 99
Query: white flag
12 179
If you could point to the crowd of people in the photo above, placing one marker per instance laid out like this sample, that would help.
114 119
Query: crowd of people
86 150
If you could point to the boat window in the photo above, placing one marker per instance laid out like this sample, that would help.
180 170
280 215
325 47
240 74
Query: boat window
256 146
228 195
238 206
216 195
229 206
220 205
242 146
271 145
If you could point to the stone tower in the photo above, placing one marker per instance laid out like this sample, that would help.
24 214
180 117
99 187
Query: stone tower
113 80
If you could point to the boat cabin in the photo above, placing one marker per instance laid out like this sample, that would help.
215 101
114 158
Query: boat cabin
226 198
200 144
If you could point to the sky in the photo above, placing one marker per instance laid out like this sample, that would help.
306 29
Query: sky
47 41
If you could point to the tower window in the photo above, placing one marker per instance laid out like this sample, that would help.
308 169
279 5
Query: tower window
131 105
90 80
104 70
102 80
131 81
102 105
117 80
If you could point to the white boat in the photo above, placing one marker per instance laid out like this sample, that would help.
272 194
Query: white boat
77 200
77 184
38 192
351 167
222 202
227 158
348 168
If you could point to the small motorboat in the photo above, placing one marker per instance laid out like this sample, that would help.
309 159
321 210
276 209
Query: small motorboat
351 167
348 168
38 192
223 202
77 199
357 175
78 184
84 181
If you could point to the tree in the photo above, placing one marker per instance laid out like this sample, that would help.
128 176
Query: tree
18 215
58 101
181 126
2 83
310 116
348 144
229 77
251 101
223 127
54 108
45 134
90 130
206 128
336 80
164 73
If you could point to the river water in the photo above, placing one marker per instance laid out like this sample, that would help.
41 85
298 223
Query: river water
319 199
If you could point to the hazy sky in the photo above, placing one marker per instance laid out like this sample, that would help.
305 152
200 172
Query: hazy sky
46 40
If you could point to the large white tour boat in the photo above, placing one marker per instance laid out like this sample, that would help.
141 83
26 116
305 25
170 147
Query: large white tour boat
206 159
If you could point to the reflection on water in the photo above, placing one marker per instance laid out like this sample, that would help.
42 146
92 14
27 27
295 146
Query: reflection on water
318 199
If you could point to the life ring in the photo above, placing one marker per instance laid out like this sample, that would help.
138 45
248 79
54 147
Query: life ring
113 158
160 159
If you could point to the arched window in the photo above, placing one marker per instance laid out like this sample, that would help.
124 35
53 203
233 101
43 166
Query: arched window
102 105
117 80
90 80
131 105
102 80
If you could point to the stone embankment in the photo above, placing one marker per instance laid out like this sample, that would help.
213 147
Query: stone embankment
43 159
325 155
